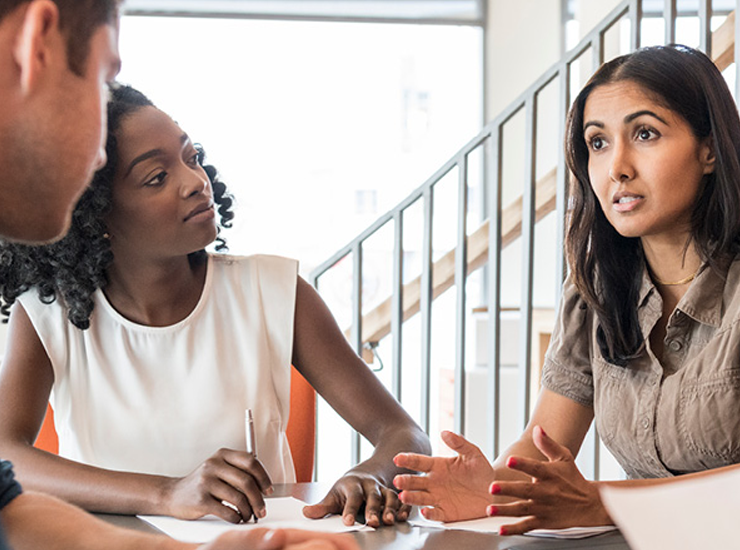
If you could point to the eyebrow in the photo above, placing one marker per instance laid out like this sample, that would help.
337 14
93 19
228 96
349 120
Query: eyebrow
629 118
151 154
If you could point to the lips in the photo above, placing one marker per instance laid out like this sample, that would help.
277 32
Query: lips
626 202
200 209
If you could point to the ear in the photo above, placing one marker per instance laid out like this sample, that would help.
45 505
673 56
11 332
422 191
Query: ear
707 156
34 48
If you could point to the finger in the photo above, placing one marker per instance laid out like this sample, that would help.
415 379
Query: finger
434 514
230 498
340 542
255 539
519 528
351 506
521 508
373 505
459 444
404 512
407 482
553 450
413 461
330 504
250 499
532 467
519 489
249 464
214 507
391 506
417 498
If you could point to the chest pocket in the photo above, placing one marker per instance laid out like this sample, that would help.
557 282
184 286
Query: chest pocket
709 419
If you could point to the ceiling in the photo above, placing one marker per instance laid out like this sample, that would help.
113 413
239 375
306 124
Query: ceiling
459 12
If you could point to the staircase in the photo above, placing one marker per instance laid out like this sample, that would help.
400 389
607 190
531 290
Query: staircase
482 246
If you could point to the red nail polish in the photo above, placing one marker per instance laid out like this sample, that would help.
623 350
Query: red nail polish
492 510
495 488
502 531
424 512
511 462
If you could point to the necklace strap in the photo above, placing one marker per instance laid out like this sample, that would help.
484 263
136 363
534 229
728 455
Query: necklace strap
676 283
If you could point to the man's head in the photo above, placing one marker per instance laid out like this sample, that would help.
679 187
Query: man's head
56 58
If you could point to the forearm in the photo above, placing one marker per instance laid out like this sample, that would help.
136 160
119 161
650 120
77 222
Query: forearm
93 489
32 521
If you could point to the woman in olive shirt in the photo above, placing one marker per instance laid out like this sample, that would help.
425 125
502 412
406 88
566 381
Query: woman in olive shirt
647 340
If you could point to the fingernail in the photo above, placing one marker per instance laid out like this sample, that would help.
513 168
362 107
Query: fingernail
492 510
511 462
495 488
269 491
349 519
424 512
395 482
502 531
261 513
402 516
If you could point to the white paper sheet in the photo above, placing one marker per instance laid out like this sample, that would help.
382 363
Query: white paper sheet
284 512
680 515
491 525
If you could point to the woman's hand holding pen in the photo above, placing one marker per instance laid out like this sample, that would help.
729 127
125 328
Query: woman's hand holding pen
227 478
556 496
355 489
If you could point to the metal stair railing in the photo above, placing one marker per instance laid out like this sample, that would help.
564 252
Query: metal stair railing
502 227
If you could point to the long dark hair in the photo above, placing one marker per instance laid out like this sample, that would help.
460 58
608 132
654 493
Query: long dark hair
75 267
606 267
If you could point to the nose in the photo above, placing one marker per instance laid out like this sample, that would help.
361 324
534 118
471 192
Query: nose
195 183
621 167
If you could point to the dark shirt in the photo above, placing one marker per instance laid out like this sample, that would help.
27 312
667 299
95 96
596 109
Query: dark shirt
9 489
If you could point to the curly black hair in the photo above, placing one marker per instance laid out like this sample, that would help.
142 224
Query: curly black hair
73 268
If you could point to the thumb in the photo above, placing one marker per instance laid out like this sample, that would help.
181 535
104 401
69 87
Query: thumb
554 451
328 505
459 444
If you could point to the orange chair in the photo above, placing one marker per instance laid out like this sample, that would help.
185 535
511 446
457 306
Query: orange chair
301 430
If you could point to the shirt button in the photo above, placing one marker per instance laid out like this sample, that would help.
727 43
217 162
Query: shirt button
646 423
675 345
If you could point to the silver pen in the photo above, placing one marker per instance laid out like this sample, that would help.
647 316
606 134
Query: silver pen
249 426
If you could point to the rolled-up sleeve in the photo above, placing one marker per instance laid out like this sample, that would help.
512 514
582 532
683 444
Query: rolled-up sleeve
567 369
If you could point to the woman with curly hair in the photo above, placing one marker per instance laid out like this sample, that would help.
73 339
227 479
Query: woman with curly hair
152 349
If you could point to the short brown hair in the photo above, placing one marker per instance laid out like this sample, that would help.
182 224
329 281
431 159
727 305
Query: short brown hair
78 20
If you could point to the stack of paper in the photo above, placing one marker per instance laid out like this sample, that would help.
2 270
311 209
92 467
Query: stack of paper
284 512
681 514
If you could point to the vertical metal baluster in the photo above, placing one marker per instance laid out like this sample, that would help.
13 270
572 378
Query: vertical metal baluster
461 275
495 155
525 310
705 26
425 306
356 326
636 19
397 304
669 16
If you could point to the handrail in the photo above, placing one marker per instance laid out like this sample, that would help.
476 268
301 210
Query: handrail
376 323
504 224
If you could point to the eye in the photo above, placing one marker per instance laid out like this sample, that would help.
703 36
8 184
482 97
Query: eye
645 133
157 180
194 160
595 143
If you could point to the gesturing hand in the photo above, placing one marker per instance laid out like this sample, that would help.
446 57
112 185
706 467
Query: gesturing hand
353 490
453 488
235 477
557 497
281 539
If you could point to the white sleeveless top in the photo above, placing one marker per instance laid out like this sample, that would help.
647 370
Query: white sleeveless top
161 400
